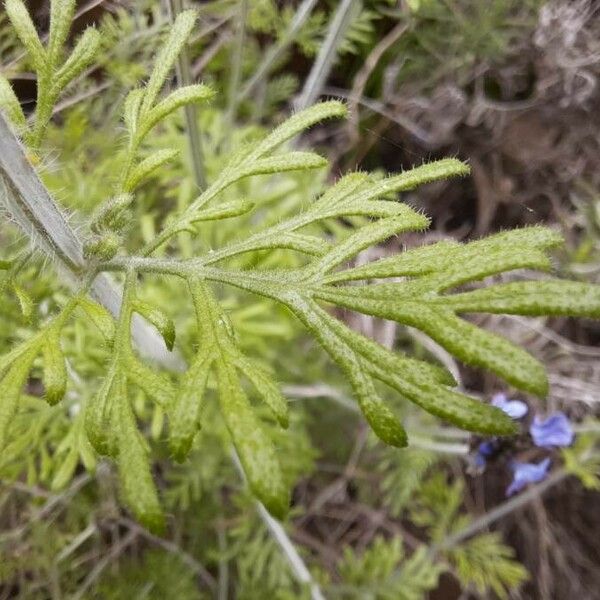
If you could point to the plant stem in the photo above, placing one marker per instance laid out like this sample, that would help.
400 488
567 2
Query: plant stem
324 61
285 543
184 77
33 209
236 69
501 511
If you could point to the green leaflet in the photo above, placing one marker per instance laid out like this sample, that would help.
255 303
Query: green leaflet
225 210
10 390
265 386
443 255
25 29
99 316
55 368
61 16
82 56
380 418
255 449
180 97
153 383
159 319
25 302
147 167
464 340
392 361
10 104
167 56
186 408
137 485
368 235
535 298
295 125
131 111
98 414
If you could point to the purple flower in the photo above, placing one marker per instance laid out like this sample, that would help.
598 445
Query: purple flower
526 473
513 408
484 451
556 430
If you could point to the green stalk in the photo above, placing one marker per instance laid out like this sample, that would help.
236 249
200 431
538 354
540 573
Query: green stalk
184 77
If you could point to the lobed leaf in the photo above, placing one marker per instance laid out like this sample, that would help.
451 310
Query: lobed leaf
25 302
153 383
381 419
226 210
131 111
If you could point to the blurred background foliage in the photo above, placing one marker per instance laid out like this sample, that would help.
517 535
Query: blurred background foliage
510 86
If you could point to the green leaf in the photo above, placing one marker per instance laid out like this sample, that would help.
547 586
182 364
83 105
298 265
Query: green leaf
98 414
148 166
65 471
182 96
186 409
61 16
534 298
162 322
383 422
10 390
131 111
112 215
226 210
99 316
368 235
82 56
25 302
414 262
153 383
55 369
266 387
295 125
137 485
9 103
167 56
281 163
25 29
255 449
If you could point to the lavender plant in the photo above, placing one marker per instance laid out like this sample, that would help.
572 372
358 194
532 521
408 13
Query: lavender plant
421 288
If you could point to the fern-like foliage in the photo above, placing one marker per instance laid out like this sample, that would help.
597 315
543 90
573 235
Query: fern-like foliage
421 288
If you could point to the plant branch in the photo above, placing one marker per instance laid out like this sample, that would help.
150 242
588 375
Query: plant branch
34 210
